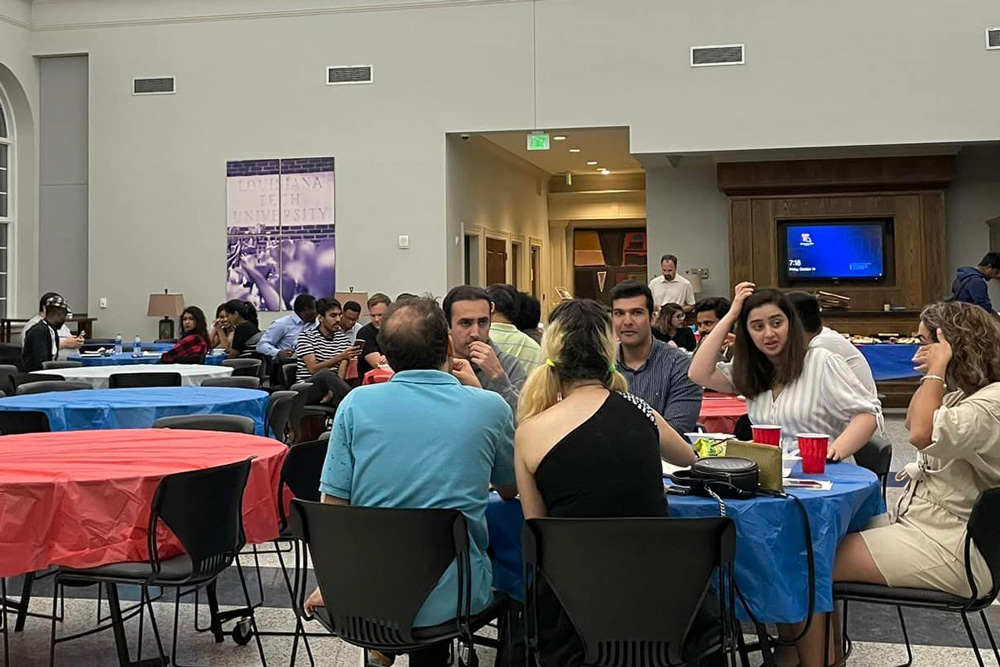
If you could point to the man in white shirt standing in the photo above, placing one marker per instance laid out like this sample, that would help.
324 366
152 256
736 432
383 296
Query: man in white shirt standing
670 287
807 307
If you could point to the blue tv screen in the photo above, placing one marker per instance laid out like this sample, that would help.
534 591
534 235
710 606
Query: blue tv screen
849 251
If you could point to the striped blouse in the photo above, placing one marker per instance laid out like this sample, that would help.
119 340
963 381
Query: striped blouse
823 400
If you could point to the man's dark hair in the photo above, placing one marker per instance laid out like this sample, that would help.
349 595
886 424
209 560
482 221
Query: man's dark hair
718 304
377 298
304 303
807 307
630 289
352 306
504 298
45 297
464 293
323 306
414 335
529 312
672 258
991 260
404 296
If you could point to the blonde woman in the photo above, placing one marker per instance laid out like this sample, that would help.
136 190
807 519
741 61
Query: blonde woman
954 423
585 447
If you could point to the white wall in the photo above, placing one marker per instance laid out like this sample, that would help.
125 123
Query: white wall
973 198
250 84
493 191
687 216
19 80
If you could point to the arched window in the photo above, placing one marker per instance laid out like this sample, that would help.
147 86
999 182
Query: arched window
6 205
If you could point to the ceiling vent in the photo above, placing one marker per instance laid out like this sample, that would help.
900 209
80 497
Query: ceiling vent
993 38
161 85
711 56
352 74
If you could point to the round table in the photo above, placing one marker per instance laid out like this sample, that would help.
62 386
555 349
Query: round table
720 412
126 359
771 563
83 499
91 409
192 375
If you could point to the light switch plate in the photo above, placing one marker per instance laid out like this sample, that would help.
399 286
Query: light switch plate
103 302
404 242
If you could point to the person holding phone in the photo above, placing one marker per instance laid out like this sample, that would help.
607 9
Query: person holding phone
322 355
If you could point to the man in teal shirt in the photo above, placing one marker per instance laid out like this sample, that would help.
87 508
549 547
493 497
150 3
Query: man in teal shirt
423 440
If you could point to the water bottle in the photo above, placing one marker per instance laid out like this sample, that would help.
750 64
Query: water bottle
118 344
137 347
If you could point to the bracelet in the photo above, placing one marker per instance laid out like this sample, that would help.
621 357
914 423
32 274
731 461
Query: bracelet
931 376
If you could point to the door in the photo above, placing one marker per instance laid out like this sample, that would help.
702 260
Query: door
496 261
535 267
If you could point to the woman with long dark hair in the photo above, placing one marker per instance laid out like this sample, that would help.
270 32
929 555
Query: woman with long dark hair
670 327
194 342
220 328
787 383
242 319
585 447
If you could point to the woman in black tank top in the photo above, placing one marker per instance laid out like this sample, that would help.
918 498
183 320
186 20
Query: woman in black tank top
585 447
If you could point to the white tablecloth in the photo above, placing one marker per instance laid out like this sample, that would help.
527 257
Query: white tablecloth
192 375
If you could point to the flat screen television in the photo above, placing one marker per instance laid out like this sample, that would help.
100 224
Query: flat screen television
834 251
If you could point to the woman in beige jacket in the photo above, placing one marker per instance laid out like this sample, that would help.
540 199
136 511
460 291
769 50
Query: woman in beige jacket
954 423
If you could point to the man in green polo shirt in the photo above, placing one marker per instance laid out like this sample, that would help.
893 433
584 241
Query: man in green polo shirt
505 334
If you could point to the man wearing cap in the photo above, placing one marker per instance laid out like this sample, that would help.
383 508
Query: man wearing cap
41 342
68 343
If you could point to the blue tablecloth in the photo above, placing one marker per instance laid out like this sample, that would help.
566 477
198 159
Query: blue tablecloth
891 361
771 563
126 359
91 409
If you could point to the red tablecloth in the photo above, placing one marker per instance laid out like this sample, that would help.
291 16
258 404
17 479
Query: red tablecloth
720 412
377 376
82 498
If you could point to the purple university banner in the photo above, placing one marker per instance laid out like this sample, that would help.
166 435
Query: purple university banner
280 231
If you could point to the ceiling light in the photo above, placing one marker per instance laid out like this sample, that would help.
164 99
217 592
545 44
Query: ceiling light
605 172
592 163
574 150
559 137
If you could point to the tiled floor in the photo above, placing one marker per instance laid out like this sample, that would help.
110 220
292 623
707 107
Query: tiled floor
939 641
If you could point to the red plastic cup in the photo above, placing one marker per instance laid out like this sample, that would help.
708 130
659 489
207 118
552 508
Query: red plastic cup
766 434
812 449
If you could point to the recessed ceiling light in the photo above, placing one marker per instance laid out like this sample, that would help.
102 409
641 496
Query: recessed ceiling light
559 137
592 163
574 150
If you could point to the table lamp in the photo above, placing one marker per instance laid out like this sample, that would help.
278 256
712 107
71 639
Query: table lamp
166 305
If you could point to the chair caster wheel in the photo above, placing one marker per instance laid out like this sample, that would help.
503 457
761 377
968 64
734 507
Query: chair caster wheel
242 632
467 657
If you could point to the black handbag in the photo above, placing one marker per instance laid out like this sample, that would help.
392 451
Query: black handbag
722 477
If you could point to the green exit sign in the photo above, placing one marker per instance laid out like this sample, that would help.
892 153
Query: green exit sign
538 141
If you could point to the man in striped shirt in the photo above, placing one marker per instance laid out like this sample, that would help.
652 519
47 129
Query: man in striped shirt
322 355
656 372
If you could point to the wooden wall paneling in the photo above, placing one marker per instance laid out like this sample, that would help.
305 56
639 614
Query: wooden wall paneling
740 242
932 216
765 259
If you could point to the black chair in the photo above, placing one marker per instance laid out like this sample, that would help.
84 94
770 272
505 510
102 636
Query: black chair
18 379
984 526
10 354
302 409
743 430
224 423
204 510
288 373
20 422
877 457
237 382
135 380
621 616
372 589
56 365
43 386
243 367
279 409
7 373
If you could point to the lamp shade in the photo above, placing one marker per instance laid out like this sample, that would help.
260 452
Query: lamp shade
165 305
695 281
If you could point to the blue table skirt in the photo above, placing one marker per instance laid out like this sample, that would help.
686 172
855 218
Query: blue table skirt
893 361
771 563
126 358
138 408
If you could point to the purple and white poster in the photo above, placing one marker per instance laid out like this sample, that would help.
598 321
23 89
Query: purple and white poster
280 231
